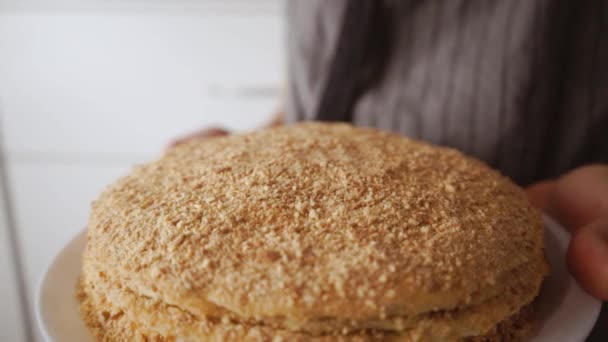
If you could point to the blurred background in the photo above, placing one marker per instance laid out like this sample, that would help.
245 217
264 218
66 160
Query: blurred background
88 88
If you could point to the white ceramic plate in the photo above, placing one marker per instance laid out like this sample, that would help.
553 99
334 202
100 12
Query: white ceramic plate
565 312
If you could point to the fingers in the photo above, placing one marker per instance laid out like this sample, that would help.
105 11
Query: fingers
278 119
206 133
540 194
579 201
588 257
580 197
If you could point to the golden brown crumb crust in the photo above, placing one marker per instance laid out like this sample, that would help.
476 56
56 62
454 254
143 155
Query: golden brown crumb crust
299 224
114 314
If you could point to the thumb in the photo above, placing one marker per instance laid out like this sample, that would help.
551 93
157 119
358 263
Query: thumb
540 195
588 257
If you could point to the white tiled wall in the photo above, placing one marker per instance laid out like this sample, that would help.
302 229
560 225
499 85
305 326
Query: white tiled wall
86 94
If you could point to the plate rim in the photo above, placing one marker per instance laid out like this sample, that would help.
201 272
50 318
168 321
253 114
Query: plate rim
40 321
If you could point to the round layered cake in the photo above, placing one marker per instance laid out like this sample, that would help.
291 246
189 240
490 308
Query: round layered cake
312 232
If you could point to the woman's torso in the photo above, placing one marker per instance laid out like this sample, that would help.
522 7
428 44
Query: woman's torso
520 84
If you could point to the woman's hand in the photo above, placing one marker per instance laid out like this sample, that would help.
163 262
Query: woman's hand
276 120
579 201
205 133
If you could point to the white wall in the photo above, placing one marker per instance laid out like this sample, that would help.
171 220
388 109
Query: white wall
71 81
